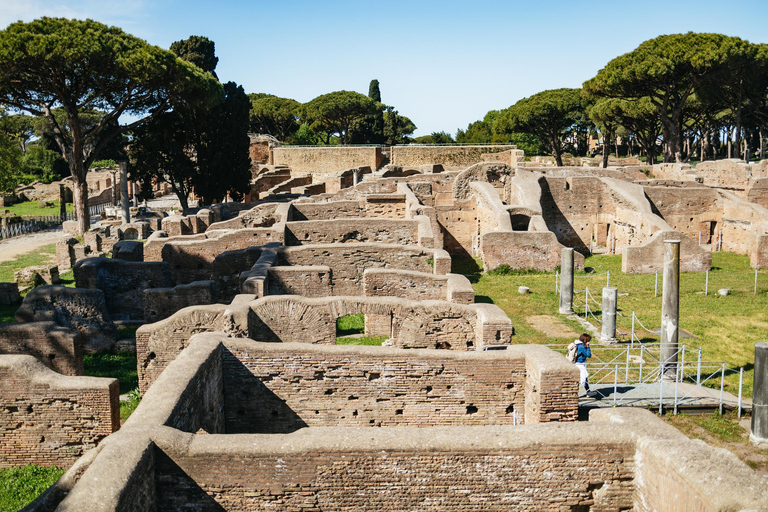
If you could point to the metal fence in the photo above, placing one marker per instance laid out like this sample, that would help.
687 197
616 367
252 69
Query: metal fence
34 224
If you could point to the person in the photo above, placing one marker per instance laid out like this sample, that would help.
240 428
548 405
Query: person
583 352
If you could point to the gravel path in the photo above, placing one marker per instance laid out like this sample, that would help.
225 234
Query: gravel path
11 248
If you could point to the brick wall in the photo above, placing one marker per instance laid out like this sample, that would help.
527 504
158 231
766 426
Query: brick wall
58 348
123 282
385 231
309 281
51 419
160 303
417 285
649 257
390 206
462 156
326 159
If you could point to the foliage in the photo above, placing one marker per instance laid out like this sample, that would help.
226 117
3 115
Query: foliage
40 163
19 486
350 324
362 340
338 112
128 406
10 163
435 138
86 66
305 136
275 116
667 69
397 128
18 128
109 163
198 50
550 115
121 366
506 270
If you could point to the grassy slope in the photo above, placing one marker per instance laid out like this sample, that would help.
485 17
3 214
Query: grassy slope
30 208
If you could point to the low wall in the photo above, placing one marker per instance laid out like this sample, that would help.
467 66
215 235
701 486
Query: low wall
51 419
351 230
326 159
261 216
160 303
649 257
81 310
123 282
308 281
388 206
523 249
58 348
412 155
417 285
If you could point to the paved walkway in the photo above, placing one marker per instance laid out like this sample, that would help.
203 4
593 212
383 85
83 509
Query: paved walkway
647 395
11 248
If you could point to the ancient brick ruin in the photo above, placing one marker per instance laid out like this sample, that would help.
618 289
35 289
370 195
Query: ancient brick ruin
239 305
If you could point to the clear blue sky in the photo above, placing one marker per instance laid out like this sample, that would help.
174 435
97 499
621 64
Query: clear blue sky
443 64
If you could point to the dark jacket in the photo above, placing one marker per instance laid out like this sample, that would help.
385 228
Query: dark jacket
583 352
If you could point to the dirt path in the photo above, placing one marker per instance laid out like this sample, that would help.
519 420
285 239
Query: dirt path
11 248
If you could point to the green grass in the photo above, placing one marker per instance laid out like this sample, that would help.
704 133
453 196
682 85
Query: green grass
350 324
41 256
375 341
128 406
21 485
121 366
726 328
7 313
126 332
30 209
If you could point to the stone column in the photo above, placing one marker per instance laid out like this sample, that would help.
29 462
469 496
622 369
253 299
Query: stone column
115 177
355 176
566 281
759 434
135 193
126 206
670 307
62 202
608 332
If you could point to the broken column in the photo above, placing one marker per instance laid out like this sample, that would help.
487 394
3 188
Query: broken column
670 307
610 297
566 281
759 434
126 207
355 176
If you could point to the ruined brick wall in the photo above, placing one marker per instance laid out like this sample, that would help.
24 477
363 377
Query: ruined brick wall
523 249
374 206
349 261
463 156
308 281
261 216
153 247
458 224
123 282
453 469
193 260
228 266
326 159
570 207
690 210
58 348
51 419
279 388
551 387
649 257
160 303
417 285
385 231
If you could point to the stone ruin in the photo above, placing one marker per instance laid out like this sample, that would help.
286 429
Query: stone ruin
238 306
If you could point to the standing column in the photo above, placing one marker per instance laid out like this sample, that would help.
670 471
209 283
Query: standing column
759 434
135 193
355 176
115 177
126 210
670 307
566 281
610 297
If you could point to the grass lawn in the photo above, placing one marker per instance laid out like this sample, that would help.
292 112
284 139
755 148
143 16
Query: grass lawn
350 329
726 328
20 485
41 256
30 209
121 366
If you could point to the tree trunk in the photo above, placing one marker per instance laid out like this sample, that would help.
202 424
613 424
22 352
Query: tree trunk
762 146
606 143
80 193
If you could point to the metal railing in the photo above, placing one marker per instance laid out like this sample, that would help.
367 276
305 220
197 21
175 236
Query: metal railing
39 223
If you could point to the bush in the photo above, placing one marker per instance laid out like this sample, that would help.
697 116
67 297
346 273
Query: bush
21 485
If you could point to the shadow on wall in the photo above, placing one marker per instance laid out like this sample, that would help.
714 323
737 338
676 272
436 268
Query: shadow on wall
250 407
557 223
176 490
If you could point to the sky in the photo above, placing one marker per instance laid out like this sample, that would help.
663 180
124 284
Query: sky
442 64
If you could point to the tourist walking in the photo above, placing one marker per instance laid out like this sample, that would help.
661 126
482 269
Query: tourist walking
583 352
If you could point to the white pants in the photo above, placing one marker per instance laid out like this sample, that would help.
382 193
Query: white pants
583 374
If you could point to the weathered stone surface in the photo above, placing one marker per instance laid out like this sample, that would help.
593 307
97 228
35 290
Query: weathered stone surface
32 277
58 348
9 294
123 283
81 310
128 250
160 303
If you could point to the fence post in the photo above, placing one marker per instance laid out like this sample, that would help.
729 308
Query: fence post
615 383
661 387
706 285
720 241
741 382
698 370
683 362
586 303
626 373
557 278
676 382
656 286
755 282
722 386
632 338
642 356
608 279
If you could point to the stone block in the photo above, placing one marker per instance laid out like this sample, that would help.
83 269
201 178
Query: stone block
32 277
127 250
9 294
